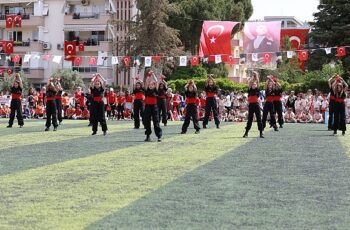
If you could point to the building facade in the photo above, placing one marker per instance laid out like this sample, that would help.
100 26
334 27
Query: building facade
46 24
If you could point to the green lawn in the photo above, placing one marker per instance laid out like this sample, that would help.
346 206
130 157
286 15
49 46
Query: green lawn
295 179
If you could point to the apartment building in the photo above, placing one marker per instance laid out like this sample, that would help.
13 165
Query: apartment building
46 24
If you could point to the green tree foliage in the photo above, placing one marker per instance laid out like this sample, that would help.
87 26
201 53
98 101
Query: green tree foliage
151 32
7 82
189 72
331 28
70 79
223 84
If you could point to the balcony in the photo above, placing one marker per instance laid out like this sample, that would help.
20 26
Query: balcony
101 46
86 19
27 47
28 20
34 73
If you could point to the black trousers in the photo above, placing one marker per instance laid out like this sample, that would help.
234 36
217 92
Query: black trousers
98 115
163 113
138 112
211 105
51 114
268 108
191 112
339 117
59 110
254 108
279 110
151 114
16 107
331 114
120 110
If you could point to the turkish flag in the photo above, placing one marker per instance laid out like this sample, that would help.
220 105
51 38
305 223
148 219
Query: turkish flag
297 37
8 47
69 48
195 61
9 71
229 59
156 58
341 52
16 58
216 38
18 20
78 61
81 47
267 58
9 21
92 60
127 61
303 55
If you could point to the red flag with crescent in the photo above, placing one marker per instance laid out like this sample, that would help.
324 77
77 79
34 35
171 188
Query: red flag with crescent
93 60
78 61
303 55
8 47
341 52
297 36
81 47
16 58
9 21
9 71
156 58
195 61
229 59
127 60
18 20
69 48
267 58
216 38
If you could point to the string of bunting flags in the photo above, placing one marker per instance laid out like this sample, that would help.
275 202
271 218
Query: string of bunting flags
183 61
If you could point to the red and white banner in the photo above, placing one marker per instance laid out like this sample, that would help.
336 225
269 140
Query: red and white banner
297 37
9 21
216 38
69 48
17 21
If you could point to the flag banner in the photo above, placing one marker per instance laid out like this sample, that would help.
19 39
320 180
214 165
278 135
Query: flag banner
218 59
115 60
290 54
297 37
328 50
148 61
26 58
341 52
262 37
216 38
194 61
183 61
255 57
57 59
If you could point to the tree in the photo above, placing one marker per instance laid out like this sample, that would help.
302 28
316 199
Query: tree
7 82
70 79
152 34
331 28
192 13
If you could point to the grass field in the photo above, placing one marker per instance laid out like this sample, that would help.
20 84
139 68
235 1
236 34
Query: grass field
298 178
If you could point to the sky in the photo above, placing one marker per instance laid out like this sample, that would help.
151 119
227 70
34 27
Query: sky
301 9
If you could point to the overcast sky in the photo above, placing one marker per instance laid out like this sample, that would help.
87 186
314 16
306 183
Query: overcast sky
302 9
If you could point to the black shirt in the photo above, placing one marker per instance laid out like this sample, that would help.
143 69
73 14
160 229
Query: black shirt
97 92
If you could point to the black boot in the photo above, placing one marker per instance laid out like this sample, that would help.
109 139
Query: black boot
261 134
275 128
148 139
343 133
245 134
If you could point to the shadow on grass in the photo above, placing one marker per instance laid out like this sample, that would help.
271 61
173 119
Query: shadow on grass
31 156
273 184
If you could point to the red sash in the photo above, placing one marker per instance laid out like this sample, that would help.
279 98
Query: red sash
139 96
339 100
253 99
162 97
16 96
50 98
270 98
277 98
210 94
191 100
151 100
58 97
98 99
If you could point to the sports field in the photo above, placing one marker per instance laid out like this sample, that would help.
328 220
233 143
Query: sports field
298 178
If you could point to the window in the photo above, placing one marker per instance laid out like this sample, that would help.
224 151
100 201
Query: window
15 36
